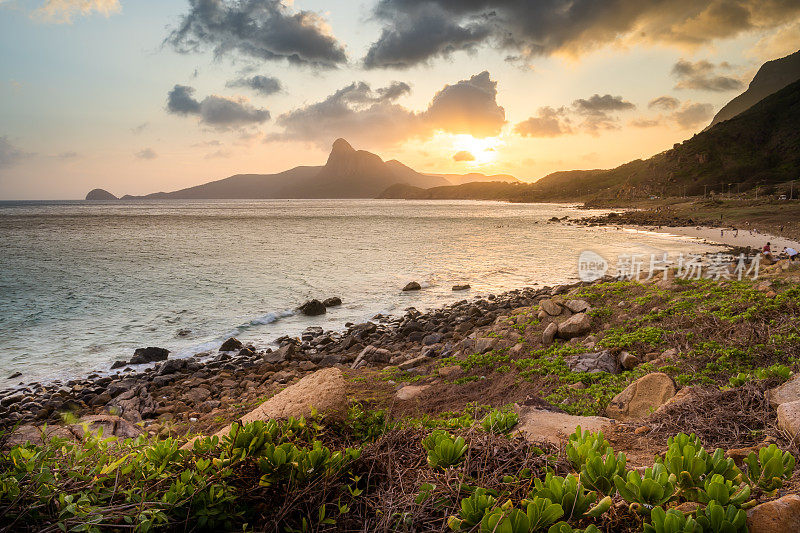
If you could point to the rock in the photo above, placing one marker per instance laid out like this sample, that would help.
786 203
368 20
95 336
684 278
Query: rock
171 366
485 344
628 360
15 375
324 390
412 286
118 364
549 333
432 338
550 307
788 392
334 301
461 287
312 308
778 516
451 371
196 395
415 362
231 345
112 426
284 353
149 355
410 392
789 419
208 406
184 332
575 326
539 425
136 405
642 430
577 306
35 435
642 397
593 362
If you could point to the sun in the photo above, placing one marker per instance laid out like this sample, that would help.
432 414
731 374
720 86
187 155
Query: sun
483 150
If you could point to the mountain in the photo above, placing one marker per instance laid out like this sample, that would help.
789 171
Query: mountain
460 179
758 147
348 173
770 78
100 194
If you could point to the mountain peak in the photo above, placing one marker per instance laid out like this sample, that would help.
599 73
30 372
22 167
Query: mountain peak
340 145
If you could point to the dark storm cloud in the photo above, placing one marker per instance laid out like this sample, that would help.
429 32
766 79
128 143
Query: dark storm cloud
372 117
416 31
9 154
258 29
667 103
704 76
217 111
263 85
548 122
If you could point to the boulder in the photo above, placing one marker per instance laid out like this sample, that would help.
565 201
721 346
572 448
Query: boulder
313 308
432 338
36 435
549 333
463 287
538 425
112 426
777 516
412 286
149 355
628 360
413 363
485 344
231 345
593 362
334 301
642 397
575 326
284 353
577 306
409 392
788 392
324 390
789 419
196 396
135 405
550 307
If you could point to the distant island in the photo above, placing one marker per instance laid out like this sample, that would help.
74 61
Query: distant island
100 194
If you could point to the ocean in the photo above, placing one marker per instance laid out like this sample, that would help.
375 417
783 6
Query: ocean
83 284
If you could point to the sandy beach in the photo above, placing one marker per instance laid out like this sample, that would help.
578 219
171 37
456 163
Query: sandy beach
731 237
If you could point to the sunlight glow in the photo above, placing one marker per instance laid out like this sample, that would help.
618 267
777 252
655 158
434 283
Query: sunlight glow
484 150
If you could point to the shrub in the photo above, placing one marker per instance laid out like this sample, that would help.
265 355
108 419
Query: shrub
499 422
443 449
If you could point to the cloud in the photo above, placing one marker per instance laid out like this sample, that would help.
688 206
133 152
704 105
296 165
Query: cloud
778 44
219 154
136 130
219 112
704 76
147 153
645 122
548 122
463 155
10 155
63 11
691 115
598 112
373 117
416 31
667 103
258 29
68 155
263 85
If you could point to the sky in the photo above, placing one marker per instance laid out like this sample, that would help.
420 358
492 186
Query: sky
156 95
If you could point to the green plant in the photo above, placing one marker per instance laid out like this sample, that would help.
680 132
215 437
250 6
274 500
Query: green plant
543 512
472 510
583 443
570 493
598 472
499 422
770 468
655 488
443 449
723 491
716 518
563 527
687 462
507 520
671 521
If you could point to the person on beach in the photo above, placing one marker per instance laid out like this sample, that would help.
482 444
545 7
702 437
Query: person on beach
766 250
790 252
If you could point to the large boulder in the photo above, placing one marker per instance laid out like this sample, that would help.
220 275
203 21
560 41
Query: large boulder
412 286
485 344
409 392
333 301
593 362
778 516
112 426
539 425
642 397
284 353
549 333
135 404
789 419
550 307
313 308
324 390
231 345
788 392
577 306
149 355
575 326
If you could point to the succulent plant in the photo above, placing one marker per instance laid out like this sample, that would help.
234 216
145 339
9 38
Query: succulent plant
499 421
567 491
672 521
716 518
582 444
443 449
770 468
598 472
723 491
472 511
655 488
